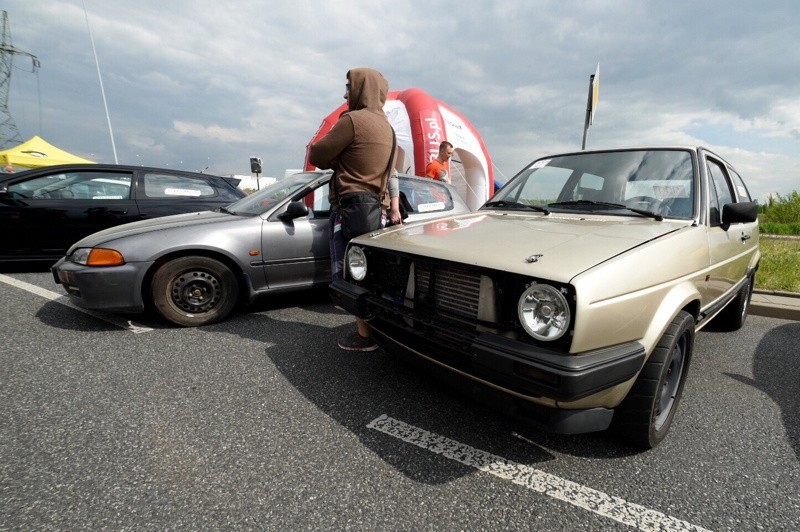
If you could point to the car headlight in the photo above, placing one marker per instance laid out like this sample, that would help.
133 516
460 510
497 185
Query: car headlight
97 257
544 312
356 263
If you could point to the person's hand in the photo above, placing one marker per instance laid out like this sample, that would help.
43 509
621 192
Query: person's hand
395 217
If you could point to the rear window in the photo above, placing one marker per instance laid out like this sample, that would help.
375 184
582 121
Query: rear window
421 196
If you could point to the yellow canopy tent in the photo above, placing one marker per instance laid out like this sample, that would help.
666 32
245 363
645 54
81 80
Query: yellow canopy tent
37 152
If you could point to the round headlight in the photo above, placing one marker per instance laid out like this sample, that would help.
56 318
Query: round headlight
356 263
543 312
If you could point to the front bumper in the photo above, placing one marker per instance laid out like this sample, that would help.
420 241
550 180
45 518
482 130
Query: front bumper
114 288
518 368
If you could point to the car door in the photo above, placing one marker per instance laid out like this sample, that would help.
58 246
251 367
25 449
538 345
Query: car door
730 246
45 214
159 193
296 252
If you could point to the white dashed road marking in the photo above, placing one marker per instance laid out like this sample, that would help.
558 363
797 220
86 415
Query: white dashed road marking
64 300
573 493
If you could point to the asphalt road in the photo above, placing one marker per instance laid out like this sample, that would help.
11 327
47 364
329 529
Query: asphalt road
260 422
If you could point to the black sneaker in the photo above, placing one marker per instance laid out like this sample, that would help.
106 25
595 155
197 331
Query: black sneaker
356 342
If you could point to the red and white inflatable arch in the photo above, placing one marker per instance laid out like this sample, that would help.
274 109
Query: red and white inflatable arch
420 123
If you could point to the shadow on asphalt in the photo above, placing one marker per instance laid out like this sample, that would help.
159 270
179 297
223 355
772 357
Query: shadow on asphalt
777 373
51 314
354 388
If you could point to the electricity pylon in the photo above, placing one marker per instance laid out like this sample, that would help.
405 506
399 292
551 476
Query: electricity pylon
9 134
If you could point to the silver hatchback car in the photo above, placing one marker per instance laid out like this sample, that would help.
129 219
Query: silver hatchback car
194 268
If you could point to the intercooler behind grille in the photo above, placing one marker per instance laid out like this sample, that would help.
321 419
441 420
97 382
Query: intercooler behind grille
448 289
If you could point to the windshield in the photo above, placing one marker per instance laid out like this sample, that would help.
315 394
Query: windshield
648 182
261 201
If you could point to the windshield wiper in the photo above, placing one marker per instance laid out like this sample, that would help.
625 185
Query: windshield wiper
225 210
503 204
650 214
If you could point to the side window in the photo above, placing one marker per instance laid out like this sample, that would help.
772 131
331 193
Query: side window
76 185
38 187
176 186
720 192
317 203
741 190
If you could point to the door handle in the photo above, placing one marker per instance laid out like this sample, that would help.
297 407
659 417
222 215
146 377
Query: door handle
118 211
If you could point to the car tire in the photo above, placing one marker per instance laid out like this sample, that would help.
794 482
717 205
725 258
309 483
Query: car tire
644 417
733 316
194 291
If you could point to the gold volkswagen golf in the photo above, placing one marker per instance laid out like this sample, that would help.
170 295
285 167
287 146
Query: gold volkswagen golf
572 297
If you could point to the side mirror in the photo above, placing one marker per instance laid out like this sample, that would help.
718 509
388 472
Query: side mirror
295 209
737 213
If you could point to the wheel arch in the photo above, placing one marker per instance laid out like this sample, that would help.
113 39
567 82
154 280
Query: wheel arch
682 297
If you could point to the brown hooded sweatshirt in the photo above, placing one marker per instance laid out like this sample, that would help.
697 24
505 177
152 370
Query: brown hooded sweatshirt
357 147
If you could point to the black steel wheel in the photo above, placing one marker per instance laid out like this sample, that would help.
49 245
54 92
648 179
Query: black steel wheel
733 316
644 417
193 291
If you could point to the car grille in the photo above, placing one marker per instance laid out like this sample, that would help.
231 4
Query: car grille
448 290
452 303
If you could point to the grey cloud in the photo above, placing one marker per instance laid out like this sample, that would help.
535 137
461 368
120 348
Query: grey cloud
517 70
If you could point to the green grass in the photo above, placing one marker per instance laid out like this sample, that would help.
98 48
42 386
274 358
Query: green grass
774 228
780 215
780 265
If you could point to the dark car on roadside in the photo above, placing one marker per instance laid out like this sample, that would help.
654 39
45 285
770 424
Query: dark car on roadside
45 210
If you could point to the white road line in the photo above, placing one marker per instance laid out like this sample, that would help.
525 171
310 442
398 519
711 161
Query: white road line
564 490
64 300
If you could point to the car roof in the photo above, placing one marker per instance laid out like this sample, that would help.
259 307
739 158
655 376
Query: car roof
105 166
632 148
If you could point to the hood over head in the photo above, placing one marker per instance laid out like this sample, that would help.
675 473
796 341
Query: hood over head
368 89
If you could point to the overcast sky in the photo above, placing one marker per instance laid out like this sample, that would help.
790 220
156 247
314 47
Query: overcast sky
202 83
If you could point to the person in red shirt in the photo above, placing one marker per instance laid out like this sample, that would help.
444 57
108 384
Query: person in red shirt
437 168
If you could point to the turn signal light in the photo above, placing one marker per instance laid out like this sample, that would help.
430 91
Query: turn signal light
104 257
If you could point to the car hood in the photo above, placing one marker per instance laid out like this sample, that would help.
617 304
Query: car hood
154 224
556 247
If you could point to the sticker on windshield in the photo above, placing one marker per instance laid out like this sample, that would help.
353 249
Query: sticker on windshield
742 191
541 164
181 192
429 207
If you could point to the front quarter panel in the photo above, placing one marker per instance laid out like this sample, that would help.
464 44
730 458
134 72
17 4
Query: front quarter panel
633 297
238 240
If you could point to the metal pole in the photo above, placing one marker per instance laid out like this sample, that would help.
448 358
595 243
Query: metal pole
100 78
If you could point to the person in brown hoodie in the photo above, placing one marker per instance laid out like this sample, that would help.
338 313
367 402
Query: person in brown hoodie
357 148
